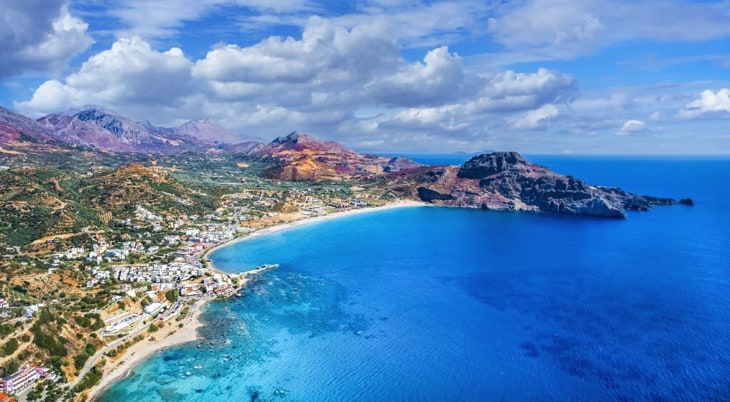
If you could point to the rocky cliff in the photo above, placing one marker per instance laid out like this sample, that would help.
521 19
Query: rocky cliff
506 181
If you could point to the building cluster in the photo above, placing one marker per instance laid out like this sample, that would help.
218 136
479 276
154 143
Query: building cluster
26 377
157 273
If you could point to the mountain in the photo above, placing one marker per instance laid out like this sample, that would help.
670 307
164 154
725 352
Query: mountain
206 131
506 181
302 157
498 181
104 129
20 134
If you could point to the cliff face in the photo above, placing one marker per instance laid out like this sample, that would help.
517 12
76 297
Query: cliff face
506 181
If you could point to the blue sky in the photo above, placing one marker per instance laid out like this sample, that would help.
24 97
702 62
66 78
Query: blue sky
536 76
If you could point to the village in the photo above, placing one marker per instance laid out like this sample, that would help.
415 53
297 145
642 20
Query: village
159 268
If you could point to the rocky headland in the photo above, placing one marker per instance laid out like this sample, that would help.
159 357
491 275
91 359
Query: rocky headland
505 181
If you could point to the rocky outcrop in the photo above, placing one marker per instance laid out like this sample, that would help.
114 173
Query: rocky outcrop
429 195
488 164
506 181
399 163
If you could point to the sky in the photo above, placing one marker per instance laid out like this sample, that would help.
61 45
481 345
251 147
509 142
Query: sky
534 76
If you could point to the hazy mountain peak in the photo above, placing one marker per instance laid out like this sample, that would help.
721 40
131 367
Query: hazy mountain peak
206 130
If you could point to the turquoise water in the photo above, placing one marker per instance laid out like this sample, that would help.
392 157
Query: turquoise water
448 304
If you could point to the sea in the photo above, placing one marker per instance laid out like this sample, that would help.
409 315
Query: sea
445 304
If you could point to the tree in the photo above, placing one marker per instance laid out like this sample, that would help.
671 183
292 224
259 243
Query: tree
11 346
171 295
12 367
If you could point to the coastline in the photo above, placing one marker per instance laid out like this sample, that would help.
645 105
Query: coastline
306 221
174 336
140 351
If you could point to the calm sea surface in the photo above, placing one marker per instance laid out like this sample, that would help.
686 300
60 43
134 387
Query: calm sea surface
447 304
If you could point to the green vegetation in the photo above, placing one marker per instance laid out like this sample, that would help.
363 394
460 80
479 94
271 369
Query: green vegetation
82 357
48 339
10 347
92 321
6 329
12 367
90 379
171 295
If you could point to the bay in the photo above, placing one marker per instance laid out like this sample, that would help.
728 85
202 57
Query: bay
449 304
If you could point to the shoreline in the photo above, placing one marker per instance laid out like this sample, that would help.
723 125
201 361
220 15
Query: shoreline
145 348
301 222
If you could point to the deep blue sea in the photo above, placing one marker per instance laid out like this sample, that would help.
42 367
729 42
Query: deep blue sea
434 304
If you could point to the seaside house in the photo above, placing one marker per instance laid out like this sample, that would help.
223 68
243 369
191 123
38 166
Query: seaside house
26 377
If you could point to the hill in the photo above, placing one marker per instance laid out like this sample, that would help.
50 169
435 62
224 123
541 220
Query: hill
20 135
300 157
43 202
505 181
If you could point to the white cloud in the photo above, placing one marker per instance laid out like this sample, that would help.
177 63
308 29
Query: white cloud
510 91
566 28
439 79
710 103
320 82
425 24
129 73
38 36
546 22
536 118
326 53
633 127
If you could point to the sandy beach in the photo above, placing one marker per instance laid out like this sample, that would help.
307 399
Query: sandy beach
168 336
308 221
171 335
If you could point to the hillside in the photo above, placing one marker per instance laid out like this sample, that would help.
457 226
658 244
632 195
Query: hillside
122 190
496 181
20 136
36 203
105 129
40 202
300 157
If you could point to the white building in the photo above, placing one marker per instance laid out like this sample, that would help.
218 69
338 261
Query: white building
154 308
121 324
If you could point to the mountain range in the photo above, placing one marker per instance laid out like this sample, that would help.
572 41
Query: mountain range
494 181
